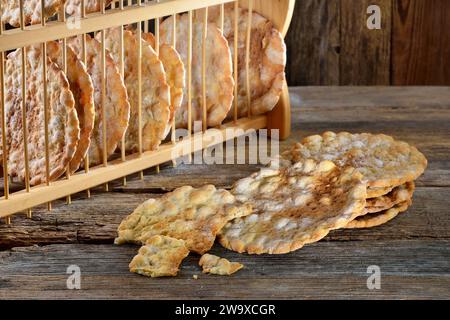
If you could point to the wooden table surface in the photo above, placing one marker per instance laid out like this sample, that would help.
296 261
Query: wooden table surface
412 251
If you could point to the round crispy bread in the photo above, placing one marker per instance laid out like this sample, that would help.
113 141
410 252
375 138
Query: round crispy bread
267 58
63 127
383 161
73 7
83 92
219 79
175 73
32 11
398 195
378 218
155 90
192 215
117 107
294 206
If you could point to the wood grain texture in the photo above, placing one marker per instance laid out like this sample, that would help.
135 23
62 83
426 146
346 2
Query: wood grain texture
365 54
420 42
313 43
322 270
411 250
329 43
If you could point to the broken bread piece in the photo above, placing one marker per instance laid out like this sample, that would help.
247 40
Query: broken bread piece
217 265
194 215
161 256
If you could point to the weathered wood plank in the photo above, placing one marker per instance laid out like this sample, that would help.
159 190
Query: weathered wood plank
420 42
416 36
96 220
409 269
346 98
314 43
365 57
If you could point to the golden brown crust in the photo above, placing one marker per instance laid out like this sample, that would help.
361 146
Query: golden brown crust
155 90
32 11
267 59
160 257
63 122
175 73
83 91
219 77
373 192
194 215
378 218
294 206
398 195
117 107
383 161
220 266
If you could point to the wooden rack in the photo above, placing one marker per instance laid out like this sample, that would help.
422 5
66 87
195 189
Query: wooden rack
120 14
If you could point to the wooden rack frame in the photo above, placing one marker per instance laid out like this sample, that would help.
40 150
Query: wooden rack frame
124 12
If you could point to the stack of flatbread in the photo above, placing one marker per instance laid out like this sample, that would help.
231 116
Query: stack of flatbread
389 168
292 208
86 123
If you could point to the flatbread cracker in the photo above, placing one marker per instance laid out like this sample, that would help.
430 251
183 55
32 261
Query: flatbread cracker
220 266
63 127
294 206
73 7
219 77
160 257
117 107
267 58
398 195
383 161
175 73
373 192
32 11
193 215
155 90
83 92
378 218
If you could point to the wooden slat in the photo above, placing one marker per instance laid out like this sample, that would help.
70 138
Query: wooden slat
4 157
420 42
113 18
365 57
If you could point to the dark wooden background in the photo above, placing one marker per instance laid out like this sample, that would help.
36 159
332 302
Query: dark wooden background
330 44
